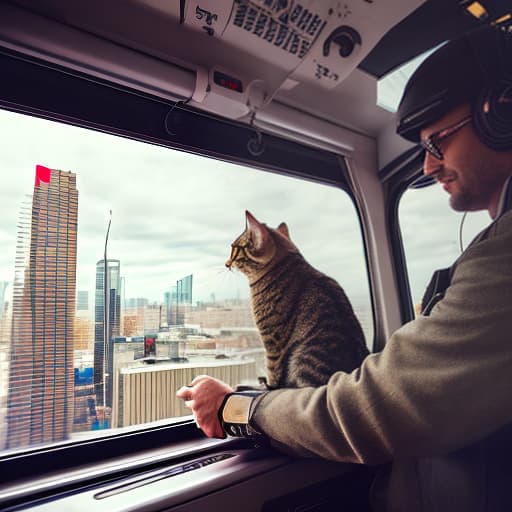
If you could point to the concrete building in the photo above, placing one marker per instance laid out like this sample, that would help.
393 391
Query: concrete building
217 316
140 317
84 333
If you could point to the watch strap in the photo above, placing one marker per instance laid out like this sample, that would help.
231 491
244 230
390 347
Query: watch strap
235 413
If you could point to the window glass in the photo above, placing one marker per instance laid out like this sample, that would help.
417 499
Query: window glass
433 234
163 221
390 87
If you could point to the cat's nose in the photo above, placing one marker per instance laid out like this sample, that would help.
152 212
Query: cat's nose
229 263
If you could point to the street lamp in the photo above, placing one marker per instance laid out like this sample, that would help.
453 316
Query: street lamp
106 303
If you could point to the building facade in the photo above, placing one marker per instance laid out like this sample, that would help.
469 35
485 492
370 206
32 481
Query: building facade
3 288
103 347
177 299
40 392
82 300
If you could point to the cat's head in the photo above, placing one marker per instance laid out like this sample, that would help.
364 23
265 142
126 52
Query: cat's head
259 248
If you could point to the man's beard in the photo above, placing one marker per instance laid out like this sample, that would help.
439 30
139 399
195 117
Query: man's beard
463 201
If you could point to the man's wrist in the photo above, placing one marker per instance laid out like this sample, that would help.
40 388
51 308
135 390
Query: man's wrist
236 411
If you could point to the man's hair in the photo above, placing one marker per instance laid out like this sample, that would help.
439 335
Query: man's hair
463 70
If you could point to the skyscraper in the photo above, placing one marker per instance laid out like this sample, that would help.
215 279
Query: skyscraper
3 287
176 298
170 301
103 348
82 300
40 394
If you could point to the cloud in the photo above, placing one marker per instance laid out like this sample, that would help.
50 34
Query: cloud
176 213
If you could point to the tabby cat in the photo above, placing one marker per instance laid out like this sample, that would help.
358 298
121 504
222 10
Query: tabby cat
305 320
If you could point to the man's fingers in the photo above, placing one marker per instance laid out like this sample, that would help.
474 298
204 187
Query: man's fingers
184 392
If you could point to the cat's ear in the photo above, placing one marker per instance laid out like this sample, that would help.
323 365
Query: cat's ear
283 229
258 231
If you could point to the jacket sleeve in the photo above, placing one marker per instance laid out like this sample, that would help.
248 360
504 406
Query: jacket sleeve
442 381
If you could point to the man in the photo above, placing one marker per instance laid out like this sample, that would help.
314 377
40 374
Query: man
436 402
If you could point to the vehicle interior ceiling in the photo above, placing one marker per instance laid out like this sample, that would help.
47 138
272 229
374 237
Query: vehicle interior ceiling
352 46
197 58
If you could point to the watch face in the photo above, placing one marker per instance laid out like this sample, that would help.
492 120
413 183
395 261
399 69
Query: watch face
237 409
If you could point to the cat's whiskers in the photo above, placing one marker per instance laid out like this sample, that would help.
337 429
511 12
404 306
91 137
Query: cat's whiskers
218 280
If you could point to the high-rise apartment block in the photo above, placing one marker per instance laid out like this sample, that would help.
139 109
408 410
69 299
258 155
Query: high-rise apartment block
40 392
108 296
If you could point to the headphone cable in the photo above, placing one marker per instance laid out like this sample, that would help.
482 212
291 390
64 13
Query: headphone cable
460 231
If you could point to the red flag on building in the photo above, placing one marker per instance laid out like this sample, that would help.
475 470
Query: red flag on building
43 174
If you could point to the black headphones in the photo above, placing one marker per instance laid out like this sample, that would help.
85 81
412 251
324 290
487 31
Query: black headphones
492 111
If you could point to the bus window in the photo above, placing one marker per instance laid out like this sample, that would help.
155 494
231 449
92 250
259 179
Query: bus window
433 235
113 289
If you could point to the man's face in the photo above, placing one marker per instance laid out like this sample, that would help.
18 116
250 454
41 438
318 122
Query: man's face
469 171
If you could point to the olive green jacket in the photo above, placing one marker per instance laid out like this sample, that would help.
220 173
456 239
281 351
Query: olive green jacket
441 383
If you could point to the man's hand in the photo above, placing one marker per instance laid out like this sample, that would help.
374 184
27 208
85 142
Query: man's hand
204 396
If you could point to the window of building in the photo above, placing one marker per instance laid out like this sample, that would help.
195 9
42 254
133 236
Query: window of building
433 234
84 350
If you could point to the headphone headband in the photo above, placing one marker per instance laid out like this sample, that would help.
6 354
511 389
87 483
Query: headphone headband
477 68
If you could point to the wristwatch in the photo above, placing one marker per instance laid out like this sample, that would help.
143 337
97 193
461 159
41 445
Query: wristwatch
235 413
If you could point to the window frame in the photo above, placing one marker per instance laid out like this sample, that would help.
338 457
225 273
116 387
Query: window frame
397 177
79 100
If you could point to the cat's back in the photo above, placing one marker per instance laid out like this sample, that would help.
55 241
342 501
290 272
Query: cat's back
307 324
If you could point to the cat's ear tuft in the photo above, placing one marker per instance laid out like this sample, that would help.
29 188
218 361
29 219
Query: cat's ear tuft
283 229
250 219
258 231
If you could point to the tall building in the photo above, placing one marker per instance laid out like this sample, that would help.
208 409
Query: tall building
3 287
84 333
40 393
103 347
184 290
176 298
169 303
82 300
5 317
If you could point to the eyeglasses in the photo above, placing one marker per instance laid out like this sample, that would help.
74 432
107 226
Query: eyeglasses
431 143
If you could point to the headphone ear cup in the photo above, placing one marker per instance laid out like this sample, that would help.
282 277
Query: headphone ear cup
492 115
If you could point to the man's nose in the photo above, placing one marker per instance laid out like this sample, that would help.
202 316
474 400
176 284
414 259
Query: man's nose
431 164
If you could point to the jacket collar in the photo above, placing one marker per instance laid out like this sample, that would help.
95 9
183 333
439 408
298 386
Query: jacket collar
505 203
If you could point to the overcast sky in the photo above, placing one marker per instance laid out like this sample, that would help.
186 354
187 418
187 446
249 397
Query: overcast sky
176 214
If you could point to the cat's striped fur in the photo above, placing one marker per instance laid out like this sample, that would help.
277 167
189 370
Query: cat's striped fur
305 320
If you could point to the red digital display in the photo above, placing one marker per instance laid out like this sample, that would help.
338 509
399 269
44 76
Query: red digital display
228 82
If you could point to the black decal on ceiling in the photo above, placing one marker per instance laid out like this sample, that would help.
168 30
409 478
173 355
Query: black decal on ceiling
285 24
209 19
323 71
346 38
